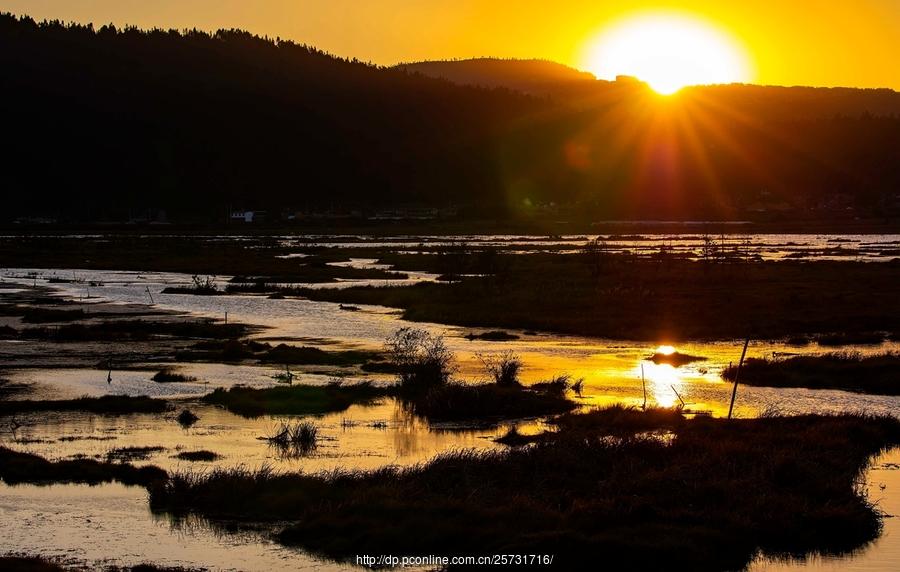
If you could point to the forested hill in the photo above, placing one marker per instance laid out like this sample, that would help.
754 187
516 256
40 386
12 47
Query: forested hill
102 122
97 119
538 77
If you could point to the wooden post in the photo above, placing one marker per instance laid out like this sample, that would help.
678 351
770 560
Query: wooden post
678 395
644 384
737 374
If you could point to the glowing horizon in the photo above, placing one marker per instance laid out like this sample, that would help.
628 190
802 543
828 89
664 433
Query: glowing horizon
785 43
668 51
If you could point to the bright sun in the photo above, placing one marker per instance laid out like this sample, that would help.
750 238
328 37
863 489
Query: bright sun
668 51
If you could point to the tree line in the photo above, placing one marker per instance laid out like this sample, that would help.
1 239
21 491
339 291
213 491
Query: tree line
101 122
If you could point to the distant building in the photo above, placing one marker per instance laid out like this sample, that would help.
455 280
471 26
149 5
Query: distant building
248 216
151 215
413 213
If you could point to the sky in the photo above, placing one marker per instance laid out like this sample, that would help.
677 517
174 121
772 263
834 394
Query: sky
852 43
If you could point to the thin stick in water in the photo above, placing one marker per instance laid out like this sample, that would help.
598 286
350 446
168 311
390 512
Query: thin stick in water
644 384
737 374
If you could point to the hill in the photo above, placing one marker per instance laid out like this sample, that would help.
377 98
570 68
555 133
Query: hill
537 77
104 124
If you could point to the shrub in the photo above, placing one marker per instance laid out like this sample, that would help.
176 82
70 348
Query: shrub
187 418
504 367
421 359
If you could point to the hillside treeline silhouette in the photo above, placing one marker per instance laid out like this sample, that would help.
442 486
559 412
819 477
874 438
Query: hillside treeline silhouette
104 122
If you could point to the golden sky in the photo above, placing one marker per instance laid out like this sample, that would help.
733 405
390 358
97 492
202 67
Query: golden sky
789 42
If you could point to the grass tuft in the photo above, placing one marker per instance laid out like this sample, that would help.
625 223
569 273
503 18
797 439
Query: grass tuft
206 456
298 438
169 376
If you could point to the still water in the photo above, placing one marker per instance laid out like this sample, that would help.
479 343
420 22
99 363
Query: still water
112 523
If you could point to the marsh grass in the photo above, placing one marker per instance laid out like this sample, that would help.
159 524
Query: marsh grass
487 402
187 418
135 330
559 385
45 315
492 336
8 388
761 299
708 498
311 271
296 439
199 286
422 360
203 455
849 371
170 376
503 368
41 564
237 350
28 564
17 467
305 355
675 359
851 338
107 404
296 399
513 438
123 454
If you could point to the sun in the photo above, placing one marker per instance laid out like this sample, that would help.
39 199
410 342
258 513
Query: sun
668 51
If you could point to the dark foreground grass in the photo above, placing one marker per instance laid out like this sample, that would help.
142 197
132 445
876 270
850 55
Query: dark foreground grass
17 468
108 404
706 499
876 374
294 400
38 564
28 564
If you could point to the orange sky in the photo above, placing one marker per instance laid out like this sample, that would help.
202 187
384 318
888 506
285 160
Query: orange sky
791 42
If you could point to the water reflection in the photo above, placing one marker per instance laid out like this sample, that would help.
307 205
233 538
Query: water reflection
362 437
882 487
663 380
111 525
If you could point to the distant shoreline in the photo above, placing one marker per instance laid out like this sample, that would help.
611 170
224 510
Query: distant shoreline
464 227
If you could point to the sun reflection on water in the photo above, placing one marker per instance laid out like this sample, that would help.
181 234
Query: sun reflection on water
660 379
